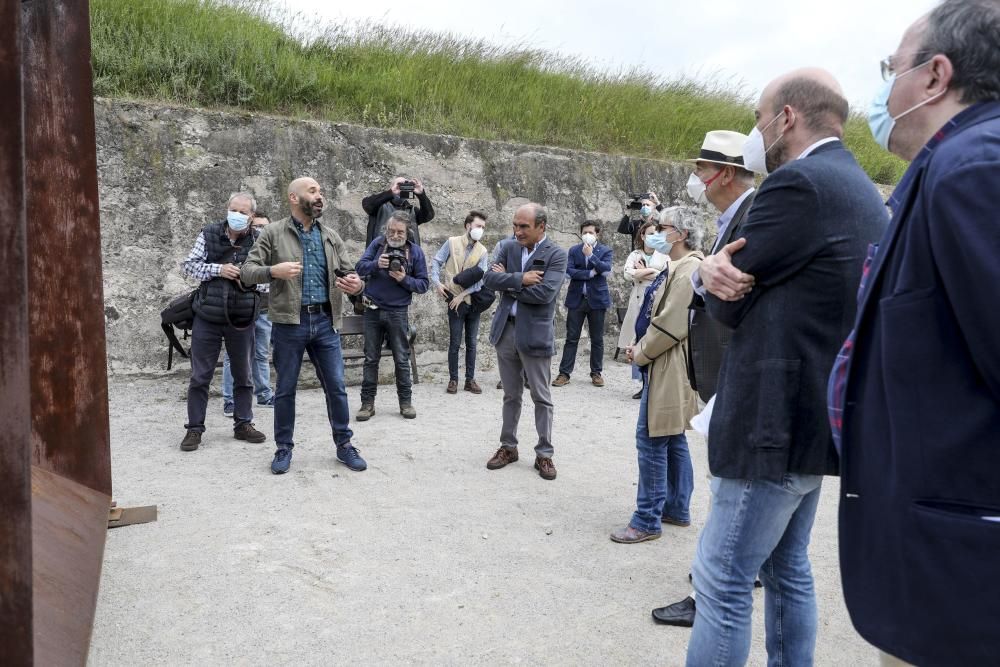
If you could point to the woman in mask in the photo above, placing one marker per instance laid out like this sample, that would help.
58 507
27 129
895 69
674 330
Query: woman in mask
666 478
641 267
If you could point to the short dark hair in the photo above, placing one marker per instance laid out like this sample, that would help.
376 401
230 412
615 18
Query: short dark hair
637 241
261 214
823 109
596 224
968 33
472 216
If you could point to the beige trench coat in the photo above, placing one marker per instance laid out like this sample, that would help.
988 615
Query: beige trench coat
672 402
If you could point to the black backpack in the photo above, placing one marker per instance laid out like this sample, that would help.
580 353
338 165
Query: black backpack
179 314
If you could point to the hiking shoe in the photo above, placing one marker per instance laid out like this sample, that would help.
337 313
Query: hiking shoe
348 455
502 458
561 380
452 387
546 469
191 441
282 461
473 386
246 431
267 402
366 412
406 409
597 379
228 408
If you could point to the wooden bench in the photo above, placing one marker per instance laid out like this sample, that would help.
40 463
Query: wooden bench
354 325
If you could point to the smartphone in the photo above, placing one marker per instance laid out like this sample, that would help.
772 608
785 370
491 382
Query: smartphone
340 273
538 265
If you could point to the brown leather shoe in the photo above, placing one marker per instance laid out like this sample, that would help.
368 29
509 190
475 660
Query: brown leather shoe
471 385
546 469
630 535
246 431
452 387
502 458
561 381
597 379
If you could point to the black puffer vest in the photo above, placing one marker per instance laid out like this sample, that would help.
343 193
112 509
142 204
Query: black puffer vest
220 300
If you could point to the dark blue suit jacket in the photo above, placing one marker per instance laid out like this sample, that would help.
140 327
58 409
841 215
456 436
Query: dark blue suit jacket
579 273
920 454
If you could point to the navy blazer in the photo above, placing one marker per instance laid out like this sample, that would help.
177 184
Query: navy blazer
807 234
920 449
534 326
579 270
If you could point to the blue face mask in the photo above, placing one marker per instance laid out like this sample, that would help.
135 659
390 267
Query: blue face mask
237 221
880 122
658 241
645 211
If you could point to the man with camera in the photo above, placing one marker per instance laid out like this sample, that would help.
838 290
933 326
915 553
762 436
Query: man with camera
642 208
587 299
395 270
465 261
399 197
223 311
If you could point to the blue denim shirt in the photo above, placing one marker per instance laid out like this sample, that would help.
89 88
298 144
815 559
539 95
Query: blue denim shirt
314 284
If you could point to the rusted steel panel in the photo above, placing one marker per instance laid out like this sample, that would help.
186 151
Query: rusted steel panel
15 416
69 390
69 525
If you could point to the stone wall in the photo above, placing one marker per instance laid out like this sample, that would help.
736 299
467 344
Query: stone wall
165 172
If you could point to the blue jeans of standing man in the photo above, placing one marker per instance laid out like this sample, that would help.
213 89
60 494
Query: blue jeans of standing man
313 334
463 319
756 526
261 367
666 478
392 325
574 327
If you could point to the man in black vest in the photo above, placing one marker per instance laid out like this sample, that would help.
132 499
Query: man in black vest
224 311
399 197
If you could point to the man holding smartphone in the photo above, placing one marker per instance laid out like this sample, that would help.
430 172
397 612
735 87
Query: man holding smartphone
527 275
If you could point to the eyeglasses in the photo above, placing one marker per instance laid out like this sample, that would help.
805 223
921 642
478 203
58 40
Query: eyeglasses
888 68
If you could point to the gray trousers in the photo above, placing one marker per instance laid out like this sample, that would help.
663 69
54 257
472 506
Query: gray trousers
538 372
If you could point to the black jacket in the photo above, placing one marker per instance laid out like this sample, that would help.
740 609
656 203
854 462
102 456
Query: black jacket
380 206
807 237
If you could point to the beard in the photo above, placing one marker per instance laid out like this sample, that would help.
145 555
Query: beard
396 243
312 208
777 156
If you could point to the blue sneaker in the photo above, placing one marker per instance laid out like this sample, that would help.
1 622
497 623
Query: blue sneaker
266 403
282 461
348 455
227 408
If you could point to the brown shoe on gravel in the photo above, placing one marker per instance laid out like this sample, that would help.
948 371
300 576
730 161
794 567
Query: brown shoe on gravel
502 458
191 441
366 412
246 431
630 535
470 385
452 387
597 379
561 381
545 467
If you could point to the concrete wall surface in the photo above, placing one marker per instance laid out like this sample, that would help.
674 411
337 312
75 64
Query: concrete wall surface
167 171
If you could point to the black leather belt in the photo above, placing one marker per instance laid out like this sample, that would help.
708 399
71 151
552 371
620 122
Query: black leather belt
317 308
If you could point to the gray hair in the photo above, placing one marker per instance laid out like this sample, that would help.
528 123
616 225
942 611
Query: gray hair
541 215
968 33
684 219
243 195
399 216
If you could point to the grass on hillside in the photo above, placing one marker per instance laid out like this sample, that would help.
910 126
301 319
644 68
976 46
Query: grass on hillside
214 54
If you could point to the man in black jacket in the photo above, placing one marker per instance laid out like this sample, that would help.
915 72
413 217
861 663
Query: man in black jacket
787 288
399 197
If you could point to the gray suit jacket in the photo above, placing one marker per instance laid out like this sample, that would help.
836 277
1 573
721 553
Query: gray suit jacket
534 328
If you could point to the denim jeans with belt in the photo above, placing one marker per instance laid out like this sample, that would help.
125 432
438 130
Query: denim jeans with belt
261 365
313 334
390 324
666 478
756 527
463 319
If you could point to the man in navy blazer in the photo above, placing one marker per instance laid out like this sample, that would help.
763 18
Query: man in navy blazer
527 274
797 263
586 299
915 392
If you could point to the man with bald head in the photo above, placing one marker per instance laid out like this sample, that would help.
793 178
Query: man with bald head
305 262
786 287
527 274
915 393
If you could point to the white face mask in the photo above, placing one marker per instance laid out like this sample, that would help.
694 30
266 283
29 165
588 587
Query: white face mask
476 233
754 151
696 189
589 239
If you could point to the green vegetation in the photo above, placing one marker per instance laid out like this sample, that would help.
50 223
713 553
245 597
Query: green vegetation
220 55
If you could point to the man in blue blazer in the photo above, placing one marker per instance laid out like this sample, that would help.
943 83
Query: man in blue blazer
915 392
586 299
797 263
527 275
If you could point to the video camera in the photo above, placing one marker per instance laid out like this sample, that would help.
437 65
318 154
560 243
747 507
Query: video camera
397 259
406 189
636 203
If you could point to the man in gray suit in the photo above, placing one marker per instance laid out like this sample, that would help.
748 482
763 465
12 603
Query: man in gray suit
527 275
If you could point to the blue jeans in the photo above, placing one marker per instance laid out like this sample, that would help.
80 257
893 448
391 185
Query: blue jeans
468 321
756 526
260 366
574 327
313 334
390 324
666 477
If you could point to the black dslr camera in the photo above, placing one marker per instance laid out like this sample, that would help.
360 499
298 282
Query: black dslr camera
406 189
636 203
397 259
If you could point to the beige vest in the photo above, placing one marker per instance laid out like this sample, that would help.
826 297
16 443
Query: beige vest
458 262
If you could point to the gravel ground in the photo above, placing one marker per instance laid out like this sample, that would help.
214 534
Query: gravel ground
427 557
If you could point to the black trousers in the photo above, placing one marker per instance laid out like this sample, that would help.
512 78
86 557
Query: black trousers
206 345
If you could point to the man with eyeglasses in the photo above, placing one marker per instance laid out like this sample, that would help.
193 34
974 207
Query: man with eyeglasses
395 269
914 396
